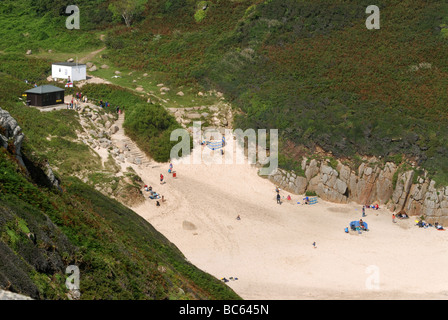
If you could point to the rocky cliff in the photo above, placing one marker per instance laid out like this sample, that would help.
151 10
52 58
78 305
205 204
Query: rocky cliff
7 295
396 187
11 138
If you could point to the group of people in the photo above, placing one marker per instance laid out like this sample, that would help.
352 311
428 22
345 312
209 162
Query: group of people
372 206
362 225
279 201
107 105
423 224
104 104
400 215
80 97
74 104
231 278
35 84
154 195
366 206
357 226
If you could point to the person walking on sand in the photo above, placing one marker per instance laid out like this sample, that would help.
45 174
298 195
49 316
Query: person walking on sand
161 178
363 211
393 218
278 198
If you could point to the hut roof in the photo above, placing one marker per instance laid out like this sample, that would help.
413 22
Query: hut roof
44 89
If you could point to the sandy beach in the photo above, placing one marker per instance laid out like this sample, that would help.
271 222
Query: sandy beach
270 249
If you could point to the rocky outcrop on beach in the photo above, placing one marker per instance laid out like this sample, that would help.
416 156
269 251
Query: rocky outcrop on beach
217 115
372 182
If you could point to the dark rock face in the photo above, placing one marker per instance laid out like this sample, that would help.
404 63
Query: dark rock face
11 135
371 183
11 138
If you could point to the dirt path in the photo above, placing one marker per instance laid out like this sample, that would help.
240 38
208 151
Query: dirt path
91 55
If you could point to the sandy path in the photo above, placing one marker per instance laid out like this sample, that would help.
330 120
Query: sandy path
91 55
270 249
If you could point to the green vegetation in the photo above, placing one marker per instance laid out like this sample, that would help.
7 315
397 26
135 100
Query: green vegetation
43 230
290 164
295 66
291 65
41 25
406 167
127 10
119 254
310 194
333 162
149 125
308 68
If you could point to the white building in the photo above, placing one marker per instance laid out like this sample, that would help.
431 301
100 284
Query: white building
68 70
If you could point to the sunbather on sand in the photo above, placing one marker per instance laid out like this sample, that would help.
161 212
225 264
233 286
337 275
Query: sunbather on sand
438 226
361 224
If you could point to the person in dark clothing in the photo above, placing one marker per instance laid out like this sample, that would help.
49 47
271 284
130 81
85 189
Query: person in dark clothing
278 198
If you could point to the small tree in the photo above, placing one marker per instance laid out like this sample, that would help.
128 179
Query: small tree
127 9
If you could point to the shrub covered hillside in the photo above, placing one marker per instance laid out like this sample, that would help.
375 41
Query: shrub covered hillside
41 25
119 254
43 231
311 69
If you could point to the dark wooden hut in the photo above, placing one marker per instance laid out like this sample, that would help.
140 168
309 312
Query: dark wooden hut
45 95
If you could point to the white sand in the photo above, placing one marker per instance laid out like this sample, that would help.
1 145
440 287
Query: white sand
270 249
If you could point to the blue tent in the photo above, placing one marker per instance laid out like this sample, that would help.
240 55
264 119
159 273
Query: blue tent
355 224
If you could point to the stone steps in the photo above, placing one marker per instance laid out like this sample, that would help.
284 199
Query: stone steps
134 150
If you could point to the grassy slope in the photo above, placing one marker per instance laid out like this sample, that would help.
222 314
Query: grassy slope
311 69
349 90
119 254
41 25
